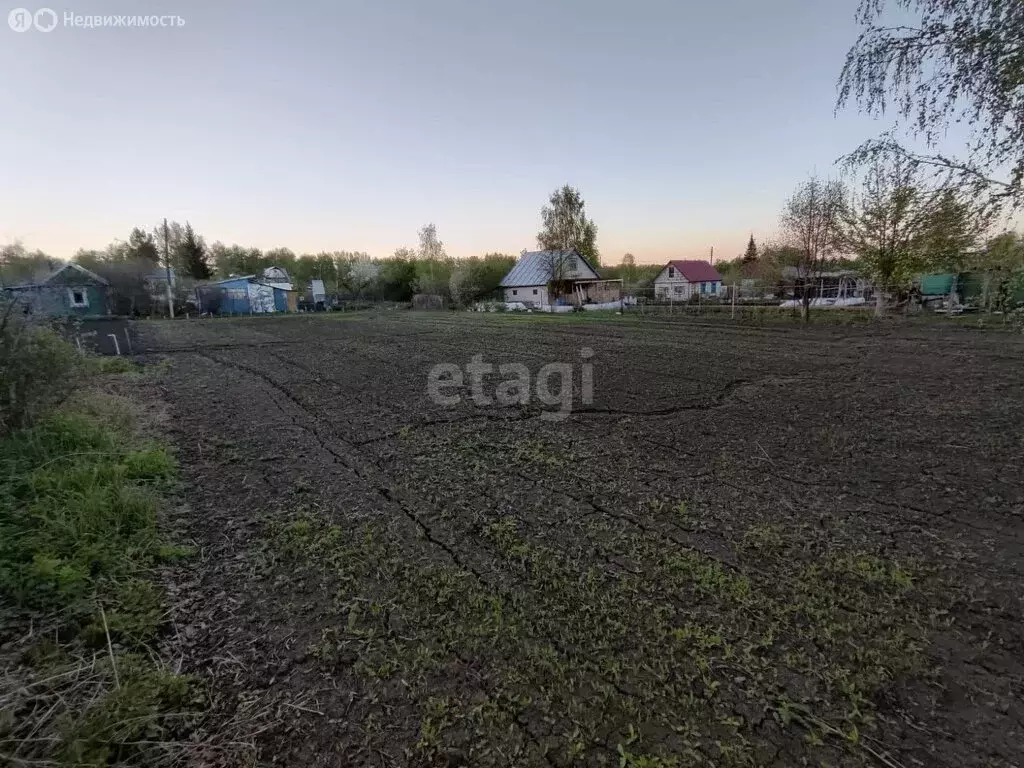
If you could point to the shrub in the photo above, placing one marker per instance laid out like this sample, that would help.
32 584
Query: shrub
113 365
428 301
38 369
463 286
79 514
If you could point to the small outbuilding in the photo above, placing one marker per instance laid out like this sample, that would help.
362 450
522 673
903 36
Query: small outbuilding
277 277
681 279
70 290
244 295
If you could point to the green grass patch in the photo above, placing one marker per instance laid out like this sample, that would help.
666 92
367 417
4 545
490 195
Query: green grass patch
113 365
78 545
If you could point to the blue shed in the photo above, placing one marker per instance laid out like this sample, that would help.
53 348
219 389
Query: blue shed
225 297
243 295
280 300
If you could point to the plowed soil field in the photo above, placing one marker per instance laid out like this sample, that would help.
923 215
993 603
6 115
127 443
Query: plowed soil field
752 547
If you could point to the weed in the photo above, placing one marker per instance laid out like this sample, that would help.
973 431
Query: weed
80 516
116 364
116 728
76 550
628 759
38 369
873 570
764 536
435 720
709 576
172 553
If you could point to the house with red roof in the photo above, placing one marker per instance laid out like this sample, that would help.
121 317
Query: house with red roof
681 279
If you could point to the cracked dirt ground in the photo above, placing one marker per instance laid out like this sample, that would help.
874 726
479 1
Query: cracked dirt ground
755 547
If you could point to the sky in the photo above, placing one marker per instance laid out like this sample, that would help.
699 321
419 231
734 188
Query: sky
348 125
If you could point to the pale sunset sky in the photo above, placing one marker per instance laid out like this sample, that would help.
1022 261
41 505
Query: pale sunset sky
350 124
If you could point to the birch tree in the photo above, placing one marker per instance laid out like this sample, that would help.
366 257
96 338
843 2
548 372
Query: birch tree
812 220
558 266
566 226
955 62
886 225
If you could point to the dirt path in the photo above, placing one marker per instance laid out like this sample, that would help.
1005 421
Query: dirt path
752 547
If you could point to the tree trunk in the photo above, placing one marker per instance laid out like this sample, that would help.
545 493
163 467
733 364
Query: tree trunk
879 302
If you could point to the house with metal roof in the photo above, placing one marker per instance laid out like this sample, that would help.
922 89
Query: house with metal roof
69 290
545 278
681 279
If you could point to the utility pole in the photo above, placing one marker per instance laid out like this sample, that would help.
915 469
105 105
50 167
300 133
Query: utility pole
167 266
712 254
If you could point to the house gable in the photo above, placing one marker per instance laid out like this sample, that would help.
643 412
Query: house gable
531 270
685 271
584 270
665 275
74 274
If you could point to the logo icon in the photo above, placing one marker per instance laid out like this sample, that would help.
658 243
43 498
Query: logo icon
20 19
45 19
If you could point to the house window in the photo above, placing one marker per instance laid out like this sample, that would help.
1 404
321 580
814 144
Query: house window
515 293
671 271
78 296
534 291
679 289
703 287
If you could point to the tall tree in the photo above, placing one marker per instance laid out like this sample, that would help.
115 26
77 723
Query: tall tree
952 232
431 247
886 224
750 255
175 233
129 291
433 268
566 226
236 260
811 220
192 255
627 270
356 273
91 259
463 286
18 265
281 257
142 246
398 276
960 62
1002 260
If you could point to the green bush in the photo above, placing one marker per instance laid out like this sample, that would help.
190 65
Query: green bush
38 369
128 723
113 365
80 513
